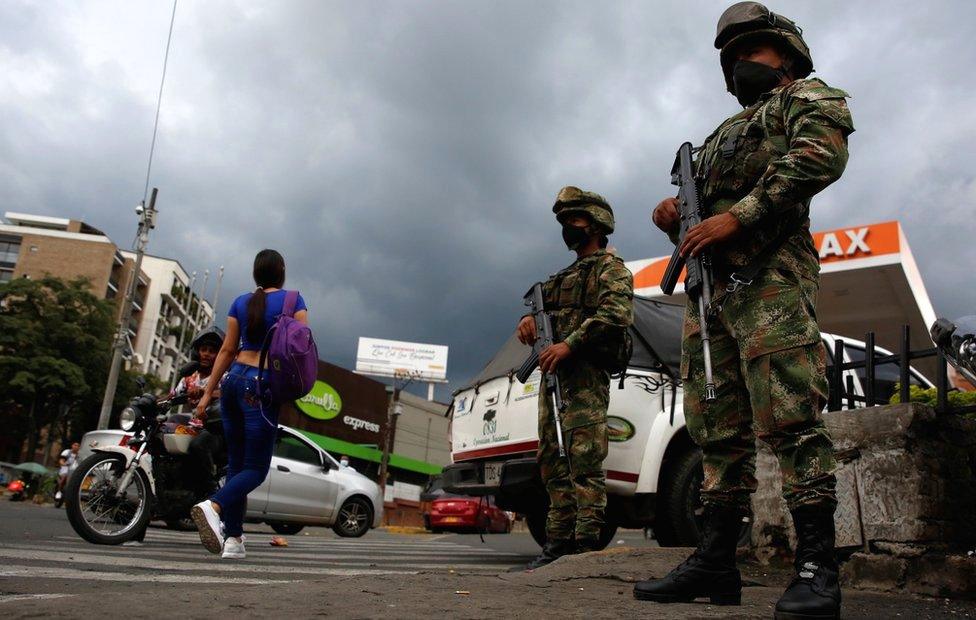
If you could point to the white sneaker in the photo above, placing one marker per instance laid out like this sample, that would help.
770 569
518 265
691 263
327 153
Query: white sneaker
234 549
208 523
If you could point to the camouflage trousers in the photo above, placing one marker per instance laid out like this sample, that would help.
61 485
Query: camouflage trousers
769 368
577 485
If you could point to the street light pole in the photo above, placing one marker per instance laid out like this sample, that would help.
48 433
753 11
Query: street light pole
220 277
147 221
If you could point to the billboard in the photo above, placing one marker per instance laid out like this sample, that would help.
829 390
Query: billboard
386 358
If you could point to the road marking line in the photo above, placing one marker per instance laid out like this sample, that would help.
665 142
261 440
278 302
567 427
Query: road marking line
9 598
296 559
293 551
206 564
45 572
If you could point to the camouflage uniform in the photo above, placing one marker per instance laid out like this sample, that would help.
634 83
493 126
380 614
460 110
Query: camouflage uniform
591 303
764 165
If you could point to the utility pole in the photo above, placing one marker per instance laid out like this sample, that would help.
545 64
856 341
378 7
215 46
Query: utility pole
147 221
183 321
392 413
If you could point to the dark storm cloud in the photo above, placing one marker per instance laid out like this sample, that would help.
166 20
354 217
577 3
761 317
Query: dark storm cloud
403 156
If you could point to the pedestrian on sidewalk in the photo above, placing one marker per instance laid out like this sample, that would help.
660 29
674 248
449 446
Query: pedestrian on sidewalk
250 421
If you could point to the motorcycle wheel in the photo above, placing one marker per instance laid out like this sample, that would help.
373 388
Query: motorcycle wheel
96 513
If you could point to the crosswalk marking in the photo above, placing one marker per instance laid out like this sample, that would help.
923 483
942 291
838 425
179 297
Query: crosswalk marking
51 572
173 556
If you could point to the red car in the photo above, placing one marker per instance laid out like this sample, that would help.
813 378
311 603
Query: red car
462 513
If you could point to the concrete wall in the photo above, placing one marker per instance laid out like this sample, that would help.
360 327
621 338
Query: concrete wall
421 431
906 491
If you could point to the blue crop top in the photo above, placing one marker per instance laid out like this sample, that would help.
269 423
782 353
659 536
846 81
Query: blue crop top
273 306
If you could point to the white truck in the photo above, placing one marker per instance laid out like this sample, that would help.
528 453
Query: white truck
653 468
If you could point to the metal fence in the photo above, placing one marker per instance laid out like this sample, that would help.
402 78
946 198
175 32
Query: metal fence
842 390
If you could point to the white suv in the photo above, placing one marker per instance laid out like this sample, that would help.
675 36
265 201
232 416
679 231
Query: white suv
653 468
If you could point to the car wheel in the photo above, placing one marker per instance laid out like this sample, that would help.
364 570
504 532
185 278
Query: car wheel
537 527
679 509
354 519
286 529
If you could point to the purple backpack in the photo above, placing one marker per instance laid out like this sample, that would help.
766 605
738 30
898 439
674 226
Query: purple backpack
291 356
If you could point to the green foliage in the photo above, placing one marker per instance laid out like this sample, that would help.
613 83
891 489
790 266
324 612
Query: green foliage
917 394
55 341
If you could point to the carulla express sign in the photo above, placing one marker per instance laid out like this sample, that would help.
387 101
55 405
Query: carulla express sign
322 403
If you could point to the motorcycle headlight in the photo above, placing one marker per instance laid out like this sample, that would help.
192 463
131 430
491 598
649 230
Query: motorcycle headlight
127 419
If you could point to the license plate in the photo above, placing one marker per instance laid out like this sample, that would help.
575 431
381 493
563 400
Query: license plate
451 520
493 474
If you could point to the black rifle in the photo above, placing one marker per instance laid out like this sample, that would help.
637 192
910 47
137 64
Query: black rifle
545 338
698 281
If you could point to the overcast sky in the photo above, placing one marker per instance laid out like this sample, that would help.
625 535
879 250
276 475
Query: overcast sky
404 156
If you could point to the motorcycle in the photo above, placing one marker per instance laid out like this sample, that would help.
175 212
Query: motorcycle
958 342
114 493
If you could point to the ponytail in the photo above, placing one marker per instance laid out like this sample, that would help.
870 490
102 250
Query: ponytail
255 315
269 272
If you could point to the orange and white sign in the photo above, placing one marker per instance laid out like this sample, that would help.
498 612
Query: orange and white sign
840 245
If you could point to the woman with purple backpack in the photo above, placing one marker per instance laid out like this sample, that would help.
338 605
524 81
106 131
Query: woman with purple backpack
249 413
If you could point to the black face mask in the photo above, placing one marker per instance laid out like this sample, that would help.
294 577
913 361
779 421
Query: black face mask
752 79
574 236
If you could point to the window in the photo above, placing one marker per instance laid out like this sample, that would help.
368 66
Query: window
886 376
291 447
6 275
9 250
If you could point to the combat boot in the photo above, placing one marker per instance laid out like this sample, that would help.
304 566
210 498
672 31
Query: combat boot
814 591
585 545
551 552
710 571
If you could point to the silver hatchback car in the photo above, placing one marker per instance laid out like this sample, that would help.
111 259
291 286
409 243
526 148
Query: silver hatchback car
305 486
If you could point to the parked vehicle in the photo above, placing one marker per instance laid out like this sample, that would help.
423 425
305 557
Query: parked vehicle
17 490
459 513
653 467
305 485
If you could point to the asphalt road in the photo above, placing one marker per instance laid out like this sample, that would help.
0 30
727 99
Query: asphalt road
38 546
47 571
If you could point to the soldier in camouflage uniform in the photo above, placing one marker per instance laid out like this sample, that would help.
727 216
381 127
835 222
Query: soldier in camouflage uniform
757 174
591 305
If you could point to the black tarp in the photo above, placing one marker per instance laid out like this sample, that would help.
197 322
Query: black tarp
657 343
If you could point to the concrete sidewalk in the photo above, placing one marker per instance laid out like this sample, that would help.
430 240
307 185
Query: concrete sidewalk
595 585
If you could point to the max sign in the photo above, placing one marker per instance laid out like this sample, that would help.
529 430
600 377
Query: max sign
858 242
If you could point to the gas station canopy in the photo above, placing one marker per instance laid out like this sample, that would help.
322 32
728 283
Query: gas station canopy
869 282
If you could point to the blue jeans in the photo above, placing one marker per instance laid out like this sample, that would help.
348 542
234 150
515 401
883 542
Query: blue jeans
250 430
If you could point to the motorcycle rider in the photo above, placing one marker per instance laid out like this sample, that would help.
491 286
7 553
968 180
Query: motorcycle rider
203 447
67 463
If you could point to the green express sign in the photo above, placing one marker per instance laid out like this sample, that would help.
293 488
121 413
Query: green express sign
322 403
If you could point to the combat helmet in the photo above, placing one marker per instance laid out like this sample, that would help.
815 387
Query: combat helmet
212 335
747 20
571 200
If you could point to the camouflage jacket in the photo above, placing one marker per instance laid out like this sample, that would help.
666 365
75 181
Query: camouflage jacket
591 303
589 299
765 164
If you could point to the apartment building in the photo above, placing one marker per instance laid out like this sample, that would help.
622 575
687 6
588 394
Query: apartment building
34 246
174 311
164 306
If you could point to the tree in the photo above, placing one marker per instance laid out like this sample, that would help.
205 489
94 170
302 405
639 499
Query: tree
55 339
